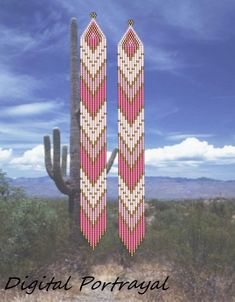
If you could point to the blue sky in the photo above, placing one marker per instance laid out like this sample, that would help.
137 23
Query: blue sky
189 80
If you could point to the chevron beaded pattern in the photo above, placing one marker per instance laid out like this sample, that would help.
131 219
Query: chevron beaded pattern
131 139
93 133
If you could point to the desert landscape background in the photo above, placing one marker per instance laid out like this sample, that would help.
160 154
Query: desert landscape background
191 240
189 148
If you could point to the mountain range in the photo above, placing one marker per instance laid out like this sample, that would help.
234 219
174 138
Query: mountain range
165 188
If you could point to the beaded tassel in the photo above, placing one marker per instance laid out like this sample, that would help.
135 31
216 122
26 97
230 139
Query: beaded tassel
93 132
131 139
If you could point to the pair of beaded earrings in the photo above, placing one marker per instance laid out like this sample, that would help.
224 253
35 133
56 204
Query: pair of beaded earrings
130 135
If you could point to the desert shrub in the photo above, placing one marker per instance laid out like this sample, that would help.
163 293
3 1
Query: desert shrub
4 184
194 238
192 232
32 233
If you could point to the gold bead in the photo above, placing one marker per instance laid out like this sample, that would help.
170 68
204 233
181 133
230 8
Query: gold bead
93 15
131 22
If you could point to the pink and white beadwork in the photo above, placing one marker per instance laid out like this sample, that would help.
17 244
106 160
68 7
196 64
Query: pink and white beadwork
93 133
131 139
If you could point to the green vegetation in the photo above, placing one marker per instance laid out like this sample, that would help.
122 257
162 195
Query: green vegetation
197 239
32 233
194 233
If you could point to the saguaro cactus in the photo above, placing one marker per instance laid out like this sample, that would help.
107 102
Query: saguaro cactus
57 166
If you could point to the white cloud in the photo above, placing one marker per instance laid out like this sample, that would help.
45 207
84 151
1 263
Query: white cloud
5 154
114 170
31 108
178 159
190 151
32 159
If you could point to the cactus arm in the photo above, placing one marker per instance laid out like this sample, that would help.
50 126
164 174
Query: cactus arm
61 185
56 149
47 156
64 161
57 176
111 160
